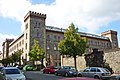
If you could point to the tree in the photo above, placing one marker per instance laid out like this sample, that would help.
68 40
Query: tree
16 56
36 53
6 61
73 45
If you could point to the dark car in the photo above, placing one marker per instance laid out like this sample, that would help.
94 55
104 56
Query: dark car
67 71
50 69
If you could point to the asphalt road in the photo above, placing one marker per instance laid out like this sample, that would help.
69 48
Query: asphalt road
37 75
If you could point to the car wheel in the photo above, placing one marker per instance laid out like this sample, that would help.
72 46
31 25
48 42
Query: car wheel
43 72
79 75
56 73
96 77
66 75
119 79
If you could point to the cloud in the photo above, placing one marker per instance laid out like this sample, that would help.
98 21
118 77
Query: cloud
87 14
90 15
4 36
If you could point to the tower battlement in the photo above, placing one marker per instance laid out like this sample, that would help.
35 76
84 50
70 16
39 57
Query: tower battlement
34 14
109 32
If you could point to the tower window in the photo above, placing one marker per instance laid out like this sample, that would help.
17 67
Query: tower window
26 26
37 34
26 45
26 35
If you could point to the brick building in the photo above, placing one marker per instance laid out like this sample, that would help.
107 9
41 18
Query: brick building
49 37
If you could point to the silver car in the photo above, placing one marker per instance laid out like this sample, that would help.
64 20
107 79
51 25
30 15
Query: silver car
95 72
115 77
12 73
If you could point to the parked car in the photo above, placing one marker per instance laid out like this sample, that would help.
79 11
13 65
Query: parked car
20 67
28 68
95 72
12 73
1 67
78 78
50 69
115 76
67 71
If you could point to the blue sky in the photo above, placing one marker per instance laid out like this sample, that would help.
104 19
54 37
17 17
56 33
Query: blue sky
88 15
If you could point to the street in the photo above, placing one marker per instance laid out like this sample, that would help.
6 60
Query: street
37 75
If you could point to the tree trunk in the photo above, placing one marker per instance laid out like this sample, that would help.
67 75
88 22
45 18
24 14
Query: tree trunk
75 62
42 63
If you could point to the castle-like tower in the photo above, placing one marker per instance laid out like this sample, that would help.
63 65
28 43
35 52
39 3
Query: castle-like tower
112 35
34 29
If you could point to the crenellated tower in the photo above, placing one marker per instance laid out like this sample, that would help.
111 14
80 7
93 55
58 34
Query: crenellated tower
34 29
112 35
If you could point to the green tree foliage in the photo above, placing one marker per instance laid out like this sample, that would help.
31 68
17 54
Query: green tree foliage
16 56
73 45
7 61
36 53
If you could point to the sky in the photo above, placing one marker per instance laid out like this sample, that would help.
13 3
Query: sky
91 16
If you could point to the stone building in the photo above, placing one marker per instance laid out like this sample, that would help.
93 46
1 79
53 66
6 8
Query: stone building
49 37
6 47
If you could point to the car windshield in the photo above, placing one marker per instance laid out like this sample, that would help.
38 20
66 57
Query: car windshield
12 71
105 70
73 68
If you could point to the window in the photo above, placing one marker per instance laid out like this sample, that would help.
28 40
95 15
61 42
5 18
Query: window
37 34
22 49
86 70
39 24
26 35
58 38
26 56
98 70
55 48
55 38
26 45
48 37
93 70
26 26
22 41
17 45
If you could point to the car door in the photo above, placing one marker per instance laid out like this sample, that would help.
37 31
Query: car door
2 74
85 72
92 72
59 71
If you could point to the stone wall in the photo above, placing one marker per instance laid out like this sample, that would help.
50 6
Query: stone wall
81 64
112 57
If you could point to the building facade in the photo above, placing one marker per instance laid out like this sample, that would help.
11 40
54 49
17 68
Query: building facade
49 37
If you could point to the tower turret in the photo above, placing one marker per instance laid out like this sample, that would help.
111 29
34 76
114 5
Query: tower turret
112 35
34 29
